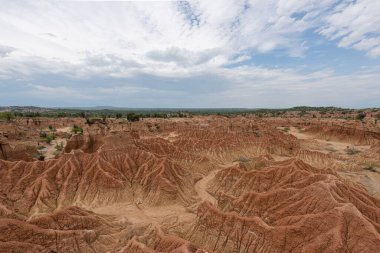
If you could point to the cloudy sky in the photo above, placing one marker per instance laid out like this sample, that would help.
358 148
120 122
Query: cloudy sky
224 53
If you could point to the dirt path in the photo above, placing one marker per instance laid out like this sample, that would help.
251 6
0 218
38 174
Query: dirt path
128 212
280 158
201 188
295 132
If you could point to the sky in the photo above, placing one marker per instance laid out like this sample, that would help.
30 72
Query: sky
190 54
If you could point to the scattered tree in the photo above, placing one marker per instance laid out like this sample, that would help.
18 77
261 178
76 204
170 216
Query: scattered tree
7 115
360 116
132 117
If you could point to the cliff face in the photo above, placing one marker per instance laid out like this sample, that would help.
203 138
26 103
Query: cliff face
19 152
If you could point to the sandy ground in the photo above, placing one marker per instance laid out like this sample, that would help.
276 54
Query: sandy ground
328 146
280 158
201 188
50 150
131 213
368 179
139 214
64 129
171 137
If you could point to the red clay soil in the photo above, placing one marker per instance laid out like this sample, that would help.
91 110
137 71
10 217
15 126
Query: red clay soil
202 184
288 207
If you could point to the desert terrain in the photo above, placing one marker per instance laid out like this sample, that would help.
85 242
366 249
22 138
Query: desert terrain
295 182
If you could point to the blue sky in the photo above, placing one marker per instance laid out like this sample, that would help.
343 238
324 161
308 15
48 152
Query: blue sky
248 53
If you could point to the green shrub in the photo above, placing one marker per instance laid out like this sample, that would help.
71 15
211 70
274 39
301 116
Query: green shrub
39 156
133 117
52 129
360 116
89 121
59 147
7 115
76 129
47 138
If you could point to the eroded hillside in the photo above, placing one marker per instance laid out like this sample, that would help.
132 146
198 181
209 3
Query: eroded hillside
201 184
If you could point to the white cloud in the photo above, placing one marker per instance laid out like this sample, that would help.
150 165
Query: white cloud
5 51
48 93
355 24
173 48
69 31
258 87
191 33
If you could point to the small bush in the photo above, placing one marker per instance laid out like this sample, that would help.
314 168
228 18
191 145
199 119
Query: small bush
76 129
52 129
89 121
370 168
242 159
360 116
351 150
39 156
59 147
48 139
